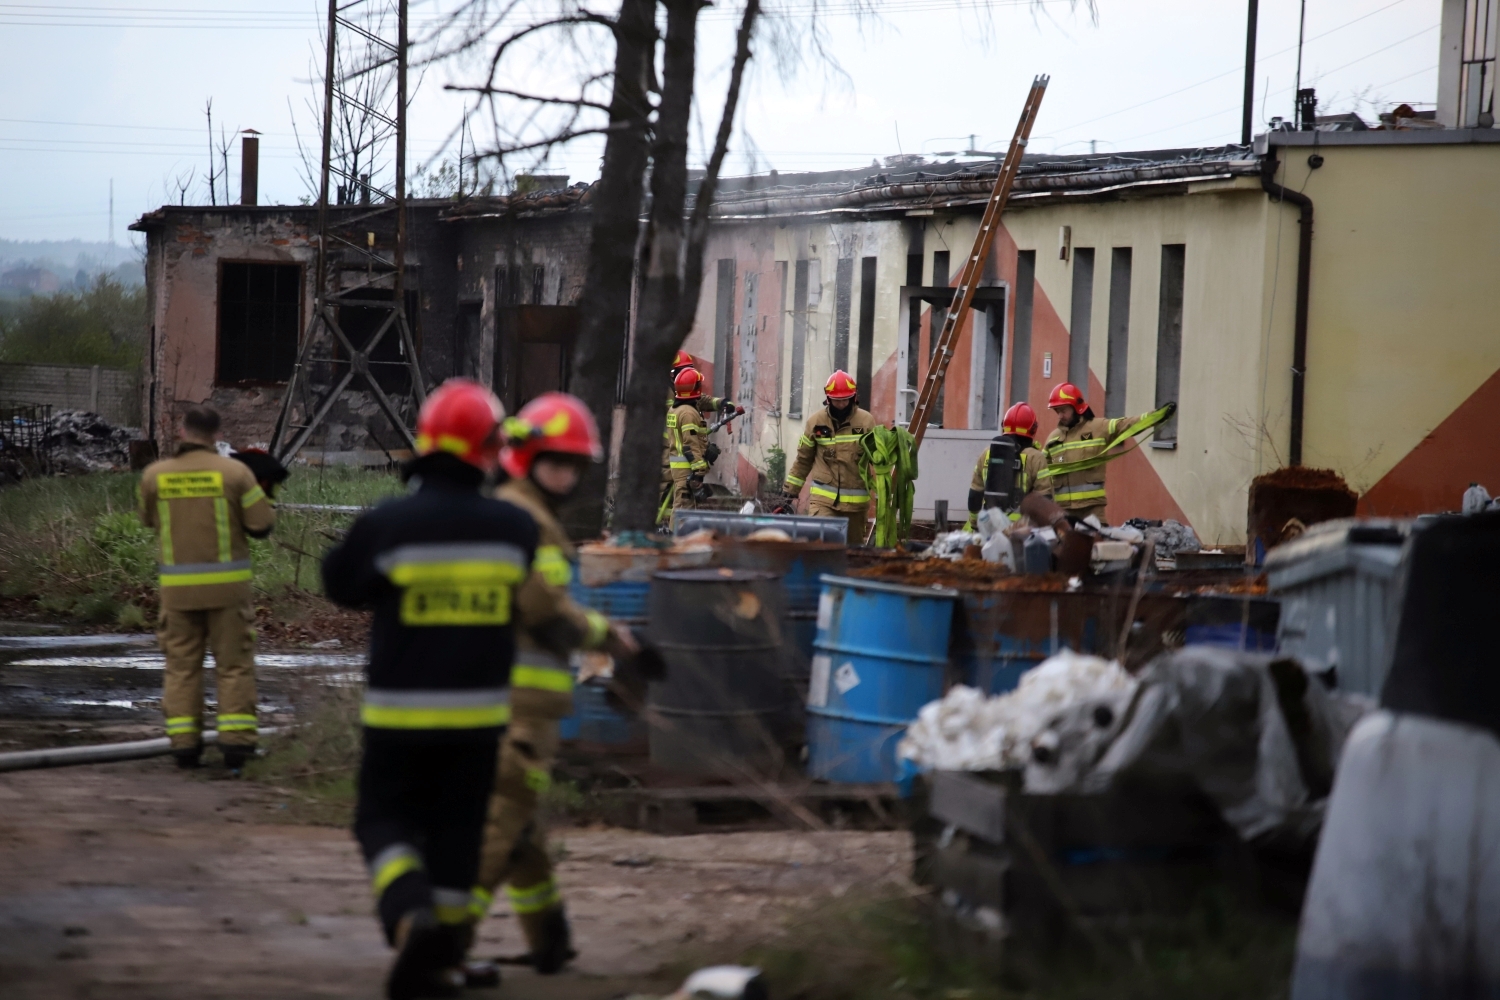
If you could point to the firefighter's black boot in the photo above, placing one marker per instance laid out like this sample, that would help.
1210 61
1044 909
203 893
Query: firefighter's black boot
424 954
188 757
550 938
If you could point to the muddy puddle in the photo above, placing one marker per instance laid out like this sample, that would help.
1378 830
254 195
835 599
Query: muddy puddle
113 679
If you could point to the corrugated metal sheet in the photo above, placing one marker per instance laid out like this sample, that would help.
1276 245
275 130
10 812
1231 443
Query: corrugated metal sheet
1339 602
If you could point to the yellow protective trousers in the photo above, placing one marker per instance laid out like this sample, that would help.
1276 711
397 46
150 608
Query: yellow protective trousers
184 637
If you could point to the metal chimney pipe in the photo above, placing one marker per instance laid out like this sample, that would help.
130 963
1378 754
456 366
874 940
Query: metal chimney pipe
249 167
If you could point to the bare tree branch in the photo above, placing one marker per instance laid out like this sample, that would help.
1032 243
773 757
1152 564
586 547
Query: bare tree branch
519 95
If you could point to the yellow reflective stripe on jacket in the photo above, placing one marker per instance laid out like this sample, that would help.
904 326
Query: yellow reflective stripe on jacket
534 898
390 864
841 494
204 574
485 708
795 481
221 525
806 442
455 583
679 462
540 678
838 439
253 496
1081 492
553 565
179 724
164 525
236 723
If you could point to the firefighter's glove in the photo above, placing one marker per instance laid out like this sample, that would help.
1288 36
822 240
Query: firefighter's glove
711 453
728 406
1171 408
619 642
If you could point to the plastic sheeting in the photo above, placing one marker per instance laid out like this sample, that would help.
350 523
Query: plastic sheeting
1404 901
1219 717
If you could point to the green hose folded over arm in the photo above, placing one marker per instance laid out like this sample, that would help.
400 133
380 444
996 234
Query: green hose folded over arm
890 472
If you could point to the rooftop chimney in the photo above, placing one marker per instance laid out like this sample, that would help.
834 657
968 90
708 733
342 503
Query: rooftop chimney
249 166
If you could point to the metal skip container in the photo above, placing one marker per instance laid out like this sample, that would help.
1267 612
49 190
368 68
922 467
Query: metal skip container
881 654
720 709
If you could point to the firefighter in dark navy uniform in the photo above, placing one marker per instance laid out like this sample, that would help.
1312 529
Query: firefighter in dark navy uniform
442 569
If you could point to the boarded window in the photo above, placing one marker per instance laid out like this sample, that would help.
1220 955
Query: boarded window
865 353
843 305
724 330
914 321
1081 317
260 314
1020 365
780 330
1119 332
936 317
799 339
1169 333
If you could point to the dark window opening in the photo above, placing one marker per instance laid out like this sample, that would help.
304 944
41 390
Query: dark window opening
1169 333
533 352
1020 365
865 352
843 305
1119 332
723 382
799 339
260 321
1081 317
913 322
388 359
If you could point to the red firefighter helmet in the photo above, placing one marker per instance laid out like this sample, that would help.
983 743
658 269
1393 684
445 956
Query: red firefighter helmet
687 385
1067 394
683 360
840 386
555 422
461 418
1020 419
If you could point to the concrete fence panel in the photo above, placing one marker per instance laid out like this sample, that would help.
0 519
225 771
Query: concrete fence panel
113 393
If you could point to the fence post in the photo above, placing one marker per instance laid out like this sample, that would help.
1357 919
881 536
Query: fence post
94 389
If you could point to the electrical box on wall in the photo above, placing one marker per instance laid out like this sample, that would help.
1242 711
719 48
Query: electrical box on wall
1047 364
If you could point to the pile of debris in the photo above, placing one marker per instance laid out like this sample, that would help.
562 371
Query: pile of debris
78 441
1171 536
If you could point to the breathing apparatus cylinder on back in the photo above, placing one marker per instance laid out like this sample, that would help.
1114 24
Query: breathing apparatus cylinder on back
1000 479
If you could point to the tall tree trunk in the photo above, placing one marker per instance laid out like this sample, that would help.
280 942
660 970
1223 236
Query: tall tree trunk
674 269
616 212
661 285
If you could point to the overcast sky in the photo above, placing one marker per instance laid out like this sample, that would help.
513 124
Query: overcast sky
100 90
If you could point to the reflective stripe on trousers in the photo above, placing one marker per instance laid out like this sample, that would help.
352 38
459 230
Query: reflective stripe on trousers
534 898
484 708
839 494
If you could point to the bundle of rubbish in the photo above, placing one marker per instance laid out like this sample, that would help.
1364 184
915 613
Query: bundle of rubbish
1256 735
78 441
1042 540
1170 537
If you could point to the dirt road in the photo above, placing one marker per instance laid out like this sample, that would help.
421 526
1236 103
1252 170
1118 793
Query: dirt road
134 880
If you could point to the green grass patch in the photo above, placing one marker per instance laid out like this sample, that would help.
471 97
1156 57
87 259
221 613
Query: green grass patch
315 764
75 546
898 946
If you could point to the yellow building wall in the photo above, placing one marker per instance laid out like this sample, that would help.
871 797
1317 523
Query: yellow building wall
1404 316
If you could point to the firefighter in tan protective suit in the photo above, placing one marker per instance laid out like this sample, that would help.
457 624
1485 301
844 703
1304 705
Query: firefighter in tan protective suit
684 443
830 452
553 439
1081 447
202 506
706 404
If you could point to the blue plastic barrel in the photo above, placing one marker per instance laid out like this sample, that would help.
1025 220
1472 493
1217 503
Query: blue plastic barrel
623 600
1246 623
880 655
